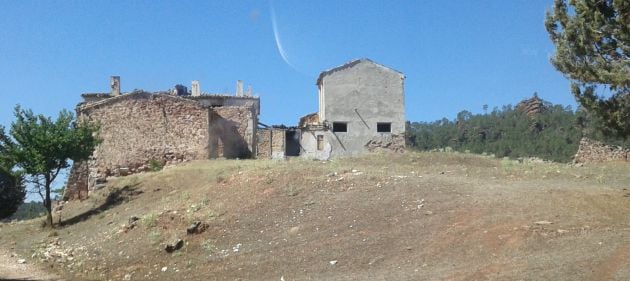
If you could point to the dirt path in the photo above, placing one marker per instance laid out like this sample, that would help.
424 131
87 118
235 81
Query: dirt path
10 269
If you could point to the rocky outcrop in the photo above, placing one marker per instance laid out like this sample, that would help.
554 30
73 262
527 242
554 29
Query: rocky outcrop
532 106
591 151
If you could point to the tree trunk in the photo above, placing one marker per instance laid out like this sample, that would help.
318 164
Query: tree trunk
48 204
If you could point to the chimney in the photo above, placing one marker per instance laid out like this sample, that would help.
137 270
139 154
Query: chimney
115 84
248 92
195 88
239 88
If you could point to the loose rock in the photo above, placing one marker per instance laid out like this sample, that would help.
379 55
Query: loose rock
169 248
196 228
133 219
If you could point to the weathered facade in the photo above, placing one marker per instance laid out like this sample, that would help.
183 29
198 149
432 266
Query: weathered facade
361 108
141 129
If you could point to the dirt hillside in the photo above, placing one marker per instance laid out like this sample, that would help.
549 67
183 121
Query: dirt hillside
410 216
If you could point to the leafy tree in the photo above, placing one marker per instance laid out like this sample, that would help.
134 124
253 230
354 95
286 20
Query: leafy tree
12 193
592 40
40 148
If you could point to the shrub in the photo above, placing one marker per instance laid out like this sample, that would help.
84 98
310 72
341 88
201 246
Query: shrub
12 194
150 220
155 165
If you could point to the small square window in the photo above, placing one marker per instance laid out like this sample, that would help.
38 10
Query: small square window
340 127
382 127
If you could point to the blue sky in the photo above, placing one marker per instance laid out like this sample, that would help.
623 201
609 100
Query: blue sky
456 55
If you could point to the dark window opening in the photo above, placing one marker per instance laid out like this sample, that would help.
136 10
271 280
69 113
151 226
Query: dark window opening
384 127
292 138
340 127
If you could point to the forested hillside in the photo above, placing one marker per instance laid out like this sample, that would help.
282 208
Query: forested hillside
533 128
29 210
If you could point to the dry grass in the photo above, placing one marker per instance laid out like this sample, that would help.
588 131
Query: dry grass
412 216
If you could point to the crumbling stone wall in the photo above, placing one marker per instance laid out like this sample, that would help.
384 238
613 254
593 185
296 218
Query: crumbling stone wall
232 132
77 182
391 142
591 151
263 144
271 143
309 119
141 127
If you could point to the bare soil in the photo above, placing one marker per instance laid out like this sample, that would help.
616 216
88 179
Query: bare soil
12 269
411 216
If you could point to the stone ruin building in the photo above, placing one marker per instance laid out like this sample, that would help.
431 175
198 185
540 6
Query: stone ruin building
140 129
361 108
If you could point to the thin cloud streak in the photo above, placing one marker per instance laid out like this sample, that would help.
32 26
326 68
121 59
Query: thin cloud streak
276 35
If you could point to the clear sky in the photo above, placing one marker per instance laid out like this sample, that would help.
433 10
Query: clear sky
456 55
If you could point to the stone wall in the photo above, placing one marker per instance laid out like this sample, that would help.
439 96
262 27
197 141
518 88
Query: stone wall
232 132
591 151
141 127
389 142
77 182
271 143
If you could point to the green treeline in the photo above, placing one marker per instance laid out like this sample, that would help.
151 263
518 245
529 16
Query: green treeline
29 210
553 132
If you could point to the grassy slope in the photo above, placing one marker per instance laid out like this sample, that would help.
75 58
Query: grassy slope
413 216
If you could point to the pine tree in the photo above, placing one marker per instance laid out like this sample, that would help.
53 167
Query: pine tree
592 39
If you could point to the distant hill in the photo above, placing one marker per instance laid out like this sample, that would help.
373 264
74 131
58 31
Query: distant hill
534 128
